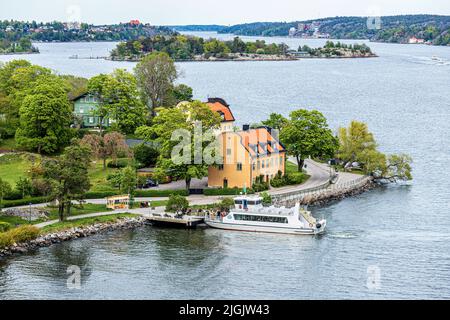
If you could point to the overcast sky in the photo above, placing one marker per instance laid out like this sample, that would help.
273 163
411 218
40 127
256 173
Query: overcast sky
176 12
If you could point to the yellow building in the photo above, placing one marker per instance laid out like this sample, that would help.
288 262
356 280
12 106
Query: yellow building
249 156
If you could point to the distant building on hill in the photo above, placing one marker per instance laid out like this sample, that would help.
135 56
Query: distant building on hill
85 107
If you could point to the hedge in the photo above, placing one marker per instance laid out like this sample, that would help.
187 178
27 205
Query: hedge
4 226
138 194
225 191
23 202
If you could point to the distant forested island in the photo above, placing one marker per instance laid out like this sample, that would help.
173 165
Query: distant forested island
13 31
191 48
430 29
23 45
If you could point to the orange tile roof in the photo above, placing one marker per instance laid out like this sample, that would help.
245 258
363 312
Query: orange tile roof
260 141
218 105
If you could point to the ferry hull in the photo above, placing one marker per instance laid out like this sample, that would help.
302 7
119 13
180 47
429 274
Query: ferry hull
264 229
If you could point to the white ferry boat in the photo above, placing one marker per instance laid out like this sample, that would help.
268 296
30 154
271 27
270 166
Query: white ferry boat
249 214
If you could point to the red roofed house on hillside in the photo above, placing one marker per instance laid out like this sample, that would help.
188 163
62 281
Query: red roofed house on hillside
249 156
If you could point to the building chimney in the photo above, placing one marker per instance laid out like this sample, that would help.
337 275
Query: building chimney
246 127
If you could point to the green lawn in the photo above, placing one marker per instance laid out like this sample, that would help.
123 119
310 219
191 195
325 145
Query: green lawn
290 167
14 166
98 177
79 210
84 222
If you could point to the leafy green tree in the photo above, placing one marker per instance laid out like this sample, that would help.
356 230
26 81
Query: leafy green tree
24 186
145 154
128 180
226 204
177 203
69 176
276 121
155 76
357 144
307 134
17 78
119 99
166 130
45 117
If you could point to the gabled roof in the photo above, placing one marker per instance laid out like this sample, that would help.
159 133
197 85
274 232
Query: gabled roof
260 141
80 96
220 106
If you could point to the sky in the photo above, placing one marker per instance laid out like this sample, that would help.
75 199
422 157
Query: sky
180 12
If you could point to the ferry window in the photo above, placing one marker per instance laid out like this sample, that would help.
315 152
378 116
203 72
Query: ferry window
239 167
238 202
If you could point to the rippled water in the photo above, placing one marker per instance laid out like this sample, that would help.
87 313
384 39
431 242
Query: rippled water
403 231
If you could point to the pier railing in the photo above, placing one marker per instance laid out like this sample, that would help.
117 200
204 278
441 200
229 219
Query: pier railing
323 189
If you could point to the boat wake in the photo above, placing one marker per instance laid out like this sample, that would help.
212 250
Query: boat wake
342 235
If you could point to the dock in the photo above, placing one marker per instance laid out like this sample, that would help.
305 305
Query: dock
175 221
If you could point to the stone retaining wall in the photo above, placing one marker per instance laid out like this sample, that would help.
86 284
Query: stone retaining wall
72 234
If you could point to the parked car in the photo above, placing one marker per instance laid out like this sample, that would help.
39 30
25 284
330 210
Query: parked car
150 184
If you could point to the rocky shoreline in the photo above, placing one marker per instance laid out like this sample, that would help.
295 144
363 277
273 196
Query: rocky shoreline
72 234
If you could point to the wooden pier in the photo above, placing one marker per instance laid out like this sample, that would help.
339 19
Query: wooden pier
175 221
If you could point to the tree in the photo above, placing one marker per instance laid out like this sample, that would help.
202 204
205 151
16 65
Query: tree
276 121
69 176
24 186
145 154
5 189
177 203
177 126
307 134
181 93
355 140
110 145
45 117
155 76
128 180
17 78
119 100
357 144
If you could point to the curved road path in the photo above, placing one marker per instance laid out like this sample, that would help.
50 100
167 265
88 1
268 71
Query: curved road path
319 175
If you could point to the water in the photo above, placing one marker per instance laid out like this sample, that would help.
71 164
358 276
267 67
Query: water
402 230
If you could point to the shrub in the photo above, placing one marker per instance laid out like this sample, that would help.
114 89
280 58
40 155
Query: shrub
266 199
296 178
40 187
4 226
225 191
226 204
6 239
159 193
24 202
13 195
177 203
258 187
24 233
119 164
146 155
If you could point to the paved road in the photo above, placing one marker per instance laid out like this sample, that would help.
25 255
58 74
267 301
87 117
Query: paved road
319 175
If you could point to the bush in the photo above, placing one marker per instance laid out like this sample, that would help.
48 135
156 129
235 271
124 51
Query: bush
24 233
18 235
296 178
4 226
225 192
40 187
145 155
13 195
177 203
226 204
119 164
260 186
24 202
159 193
266 199
6 239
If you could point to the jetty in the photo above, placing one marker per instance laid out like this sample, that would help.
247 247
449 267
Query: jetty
175 220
